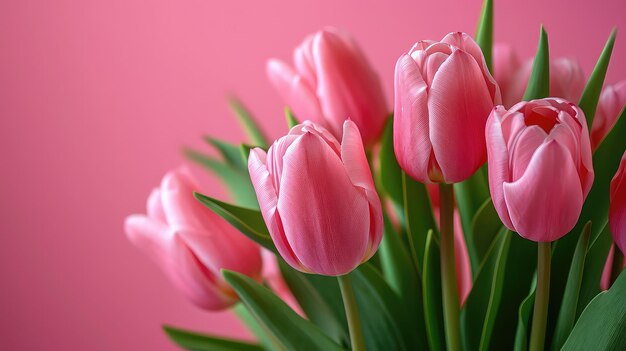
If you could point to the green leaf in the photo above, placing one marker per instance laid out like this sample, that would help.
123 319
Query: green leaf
602 325
264 338
292 331
484 33
589 100
291 119
383 317
485 227
594 265
523 321
229 152
433 306
390 174
539 81
479 313
248 221
567 313
237 181
198 342
606 160
250 126
471 195
400 274
313 297
244 150
418 216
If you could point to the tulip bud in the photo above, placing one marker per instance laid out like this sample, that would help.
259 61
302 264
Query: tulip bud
332 81
617 208
443 95
567 81
540 168
610 105
318 199
191 243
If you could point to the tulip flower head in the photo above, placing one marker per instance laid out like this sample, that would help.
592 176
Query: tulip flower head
332 81
443 96
540 168
612 101
617 208
191 243
318 199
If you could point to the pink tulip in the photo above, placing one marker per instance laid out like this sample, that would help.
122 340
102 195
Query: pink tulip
610 105
506 64
617 208
443 95
540 168
607 271
567 81
275 280
332 81
191 243
318 199
461 258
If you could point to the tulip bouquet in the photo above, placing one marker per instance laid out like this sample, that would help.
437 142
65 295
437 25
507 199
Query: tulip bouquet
488 211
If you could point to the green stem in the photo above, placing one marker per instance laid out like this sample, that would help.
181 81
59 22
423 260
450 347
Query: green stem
352 313
451 305
542 296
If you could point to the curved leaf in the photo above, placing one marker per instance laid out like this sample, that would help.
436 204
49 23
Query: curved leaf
197 342
433 305
230 153
418 216
250 126
523 321
484 33
602 325
288 328
485 227
250 222
390 174
292 121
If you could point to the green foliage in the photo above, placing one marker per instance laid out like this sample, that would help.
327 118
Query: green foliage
539 81
198 342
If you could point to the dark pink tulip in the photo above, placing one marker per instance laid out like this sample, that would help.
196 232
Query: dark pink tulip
443 96
617 209
610 105
318 199
191 243
607 271
331 81
540 168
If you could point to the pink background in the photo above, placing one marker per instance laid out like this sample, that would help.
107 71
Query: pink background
97 98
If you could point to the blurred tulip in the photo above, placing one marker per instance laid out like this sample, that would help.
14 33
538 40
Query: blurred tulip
506 64
332 81
567 80
443 95
617 209
275 280
540 168
191 243
607 271
610 105
318 199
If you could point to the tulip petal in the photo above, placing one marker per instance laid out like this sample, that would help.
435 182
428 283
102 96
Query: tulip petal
155 207
325 218
499 169
150 235
295 91
180 208
357 167
303 60
410 126
268 202
544 204
617 209
459 104
523 149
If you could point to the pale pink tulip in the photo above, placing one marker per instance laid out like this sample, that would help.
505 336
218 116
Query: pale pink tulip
610 105
191 243
318 199
461 258
330 82
275 280
540 168
567 81
443 96
617 208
